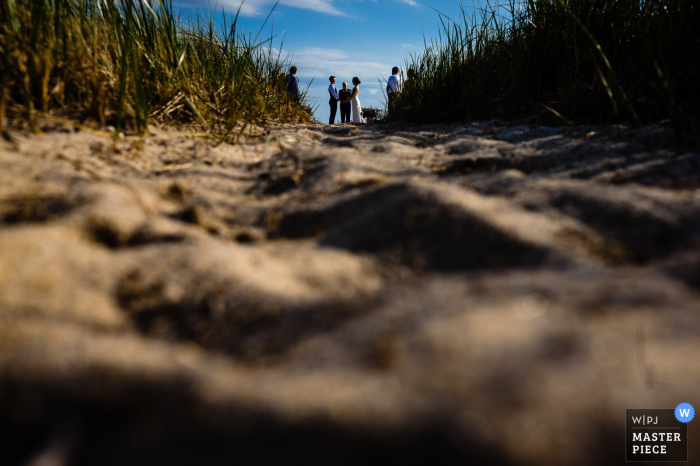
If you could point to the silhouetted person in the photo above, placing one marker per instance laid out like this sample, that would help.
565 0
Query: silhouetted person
345 104
293 83
393 87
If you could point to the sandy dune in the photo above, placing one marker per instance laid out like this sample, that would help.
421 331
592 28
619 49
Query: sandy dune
426 295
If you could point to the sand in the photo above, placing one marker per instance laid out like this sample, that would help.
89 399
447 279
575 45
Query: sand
483 292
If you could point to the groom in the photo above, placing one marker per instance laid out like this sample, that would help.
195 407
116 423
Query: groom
334 99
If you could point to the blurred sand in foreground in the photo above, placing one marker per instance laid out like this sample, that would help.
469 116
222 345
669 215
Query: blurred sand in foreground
429 295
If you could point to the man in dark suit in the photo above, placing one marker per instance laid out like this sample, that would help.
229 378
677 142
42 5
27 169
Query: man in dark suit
345 103
334 100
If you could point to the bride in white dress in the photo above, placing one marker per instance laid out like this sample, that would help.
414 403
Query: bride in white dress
356 107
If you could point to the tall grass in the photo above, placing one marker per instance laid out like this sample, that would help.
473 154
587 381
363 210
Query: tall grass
128 63
564 60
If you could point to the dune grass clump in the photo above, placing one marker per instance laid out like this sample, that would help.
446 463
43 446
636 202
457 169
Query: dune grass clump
570 61
372 114
128 63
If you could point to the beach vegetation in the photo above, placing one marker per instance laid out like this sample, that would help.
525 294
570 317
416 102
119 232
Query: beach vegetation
561 61
131 63
372 114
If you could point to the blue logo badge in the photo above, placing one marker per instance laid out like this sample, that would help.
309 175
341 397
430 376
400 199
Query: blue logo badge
684 412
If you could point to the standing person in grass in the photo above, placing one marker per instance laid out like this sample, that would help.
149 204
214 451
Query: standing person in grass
345 105
334 100
393 86
293 83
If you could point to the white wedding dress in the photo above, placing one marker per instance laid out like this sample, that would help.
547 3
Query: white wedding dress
357 108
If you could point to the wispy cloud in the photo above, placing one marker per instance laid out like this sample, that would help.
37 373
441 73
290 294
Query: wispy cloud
259 7
322 62
323 6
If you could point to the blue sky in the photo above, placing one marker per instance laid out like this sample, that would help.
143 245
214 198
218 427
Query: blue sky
345 38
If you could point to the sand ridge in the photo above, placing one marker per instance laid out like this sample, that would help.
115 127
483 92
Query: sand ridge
487 291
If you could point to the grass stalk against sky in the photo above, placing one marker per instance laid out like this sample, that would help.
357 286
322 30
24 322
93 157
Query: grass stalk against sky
564 60
128 63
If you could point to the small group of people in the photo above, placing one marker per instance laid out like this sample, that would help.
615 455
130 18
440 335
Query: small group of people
349 99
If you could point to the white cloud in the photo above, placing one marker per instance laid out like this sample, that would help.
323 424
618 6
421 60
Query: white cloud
324 6
322 63
260 7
